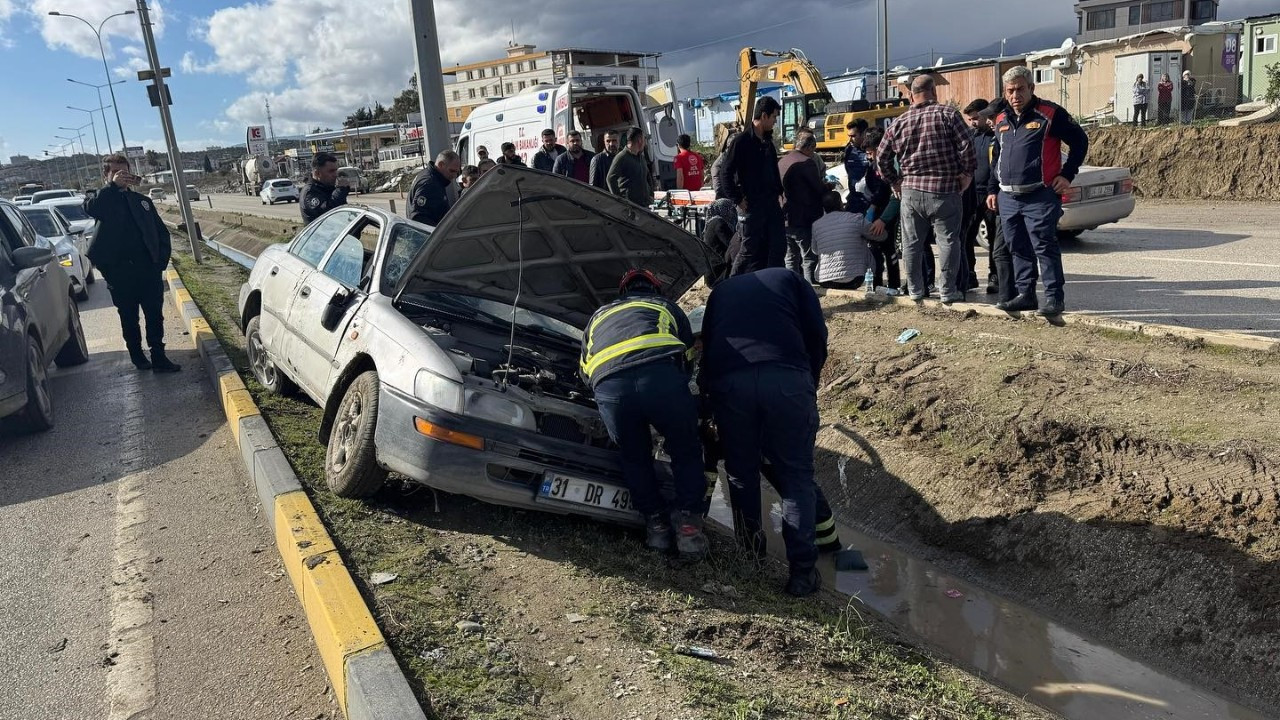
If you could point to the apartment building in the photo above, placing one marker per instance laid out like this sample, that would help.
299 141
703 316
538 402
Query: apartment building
474 84
1111 19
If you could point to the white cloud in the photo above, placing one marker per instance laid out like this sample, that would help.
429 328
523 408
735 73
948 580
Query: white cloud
7 11
66 33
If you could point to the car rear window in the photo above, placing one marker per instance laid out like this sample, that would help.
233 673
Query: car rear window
73 212
281 183
43 222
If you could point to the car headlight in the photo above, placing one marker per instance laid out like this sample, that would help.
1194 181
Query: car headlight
438 391
65 260
490 406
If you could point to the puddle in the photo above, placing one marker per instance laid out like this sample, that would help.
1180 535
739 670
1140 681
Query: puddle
1001 641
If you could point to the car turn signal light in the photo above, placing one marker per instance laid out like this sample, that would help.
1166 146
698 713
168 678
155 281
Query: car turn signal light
1071 195
1126 186
453 437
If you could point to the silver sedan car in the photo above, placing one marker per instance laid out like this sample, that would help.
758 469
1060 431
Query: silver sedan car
450 354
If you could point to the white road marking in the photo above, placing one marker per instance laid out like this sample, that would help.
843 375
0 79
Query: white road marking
131 676
1207 262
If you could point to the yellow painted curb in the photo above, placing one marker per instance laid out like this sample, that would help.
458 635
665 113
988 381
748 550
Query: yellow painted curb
172 274
228 383
238 404
339 619
200 330
181 296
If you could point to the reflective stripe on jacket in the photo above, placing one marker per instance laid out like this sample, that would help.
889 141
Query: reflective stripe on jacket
630 331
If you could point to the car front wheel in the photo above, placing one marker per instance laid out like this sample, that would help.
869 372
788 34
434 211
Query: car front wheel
37 416
350 463
75 351
265 371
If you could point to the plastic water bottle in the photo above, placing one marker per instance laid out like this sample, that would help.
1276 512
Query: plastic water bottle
869 281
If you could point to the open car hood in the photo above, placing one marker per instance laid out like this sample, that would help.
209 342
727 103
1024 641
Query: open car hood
573 240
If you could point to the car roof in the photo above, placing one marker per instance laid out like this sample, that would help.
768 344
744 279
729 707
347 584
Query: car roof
62 201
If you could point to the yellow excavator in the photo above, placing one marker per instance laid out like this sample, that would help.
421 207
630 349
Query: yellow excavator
811 105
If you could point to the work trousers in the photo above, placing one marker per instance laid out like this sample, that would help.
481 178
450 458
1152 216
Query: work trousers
654 395
885 255
969 248
764 243
943 213
133 290
1140 114
1031 229
770 411
801 259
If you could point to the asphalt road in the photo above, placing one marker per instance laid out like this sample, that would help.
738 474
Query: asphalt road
138 578
1209 265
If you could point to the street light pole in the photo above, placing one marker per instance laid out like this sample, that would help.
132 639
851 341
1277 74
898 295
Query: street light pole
435 128
101 108
106 70
166 122
97 150
80 136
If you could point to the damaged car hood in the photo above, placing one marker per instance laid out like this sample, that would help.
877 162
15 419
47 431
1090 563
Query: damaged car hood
550 244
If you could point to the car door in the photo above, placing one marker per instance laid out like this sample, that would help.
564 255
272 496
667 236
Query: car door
344 273
44 290
280 284
12 330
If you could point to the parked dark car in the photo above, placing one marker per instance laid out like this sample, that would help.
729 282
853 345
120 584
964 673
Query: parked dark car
38 321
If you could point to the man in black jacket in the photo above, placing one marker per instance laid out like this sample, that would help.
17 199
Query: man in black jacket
326 190
429 194
804 189
131 251
764 345
603 160
545 158
749 177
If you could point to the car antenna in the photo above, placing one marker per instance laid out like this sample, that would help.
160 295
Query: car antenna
515 304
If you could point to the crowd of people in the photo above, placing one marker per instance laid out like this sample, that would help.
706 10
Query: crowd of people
930 181
1164 99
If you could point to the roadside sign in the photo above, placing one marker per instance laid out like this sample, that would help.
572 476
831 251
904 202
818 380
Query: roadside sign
256 140
135 152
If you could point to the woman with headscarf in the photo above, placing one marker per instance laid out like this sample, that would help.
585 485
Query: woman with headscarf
718 236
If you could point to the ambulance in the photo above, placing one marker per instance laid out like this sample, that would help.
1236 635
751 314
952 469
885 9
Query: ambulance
589 105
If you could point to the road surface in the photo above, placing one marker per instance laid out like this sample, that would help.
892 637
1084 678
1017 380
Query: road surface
138 578
1212 265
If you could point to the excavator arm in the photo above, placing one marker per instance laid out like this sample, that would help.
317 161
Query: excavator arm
791 67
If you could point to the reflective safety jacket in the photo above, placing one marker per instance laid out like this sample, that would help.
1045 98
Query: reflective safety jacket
1028 148
634 330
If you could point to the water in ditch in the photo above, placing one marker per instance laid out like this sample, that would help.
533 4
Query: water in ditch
1004 642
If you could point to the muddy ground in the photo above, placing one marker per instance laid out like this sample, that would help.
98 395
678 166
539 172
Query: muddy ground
1194 162
1124 485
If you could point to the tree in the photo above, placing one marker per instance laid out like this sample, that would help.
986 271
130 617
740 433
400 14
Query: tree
380 114
406 102
361 116
208 164
154 160
1273 83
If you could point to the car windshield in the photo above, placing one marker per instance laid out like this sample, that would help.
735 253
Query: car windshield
73 212
43 222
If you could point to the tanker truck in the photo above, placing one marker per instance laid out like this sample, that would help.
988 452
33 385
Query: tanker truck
254 171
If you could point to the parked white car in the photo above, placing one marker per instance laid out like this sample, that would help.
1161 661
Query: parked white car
157 194
45 195
407 337
67 242
72 209
274 191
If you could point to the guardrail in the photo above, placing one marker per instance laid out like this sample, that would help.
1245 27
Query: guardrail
242 259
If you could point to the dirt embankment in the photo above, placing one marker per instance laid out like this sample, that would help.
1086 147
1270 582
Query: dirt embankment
1126 486
1194 162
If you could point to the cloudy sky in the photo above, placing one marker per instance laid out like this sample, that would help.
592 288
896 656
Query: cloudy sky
316 60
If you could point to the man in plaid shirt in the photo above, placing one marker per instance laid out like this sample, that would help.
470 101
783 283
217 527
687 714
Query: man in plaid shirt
927 155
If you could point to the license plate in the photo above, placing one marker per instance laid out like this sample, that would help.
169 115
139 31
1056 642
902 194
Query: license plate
1098 191
585 492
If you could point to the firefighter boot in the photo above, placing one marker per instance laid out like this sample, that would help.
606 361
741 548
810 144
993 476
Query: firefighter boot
803 582
657 532
691 543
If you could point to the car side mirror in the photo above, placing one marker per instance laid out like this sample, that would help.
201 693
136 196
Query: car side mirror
334 310
25 258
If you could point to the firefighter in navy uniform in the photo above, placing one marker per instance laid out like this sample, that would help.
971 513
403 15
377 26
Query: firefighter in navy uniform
323 194
828 539
131 250
634 356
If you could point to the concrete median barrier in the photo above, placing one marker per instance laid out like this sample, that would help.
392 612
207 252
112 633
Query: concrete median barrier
366 679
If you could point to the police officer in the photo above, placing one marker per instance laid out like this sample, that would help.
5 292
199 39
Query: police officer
765 342
1026 186
326 190
131 251
430 195
634 357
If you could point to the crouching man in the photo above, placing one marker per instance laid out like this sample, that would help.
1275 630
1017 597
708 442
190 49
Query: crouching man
634 357
764 345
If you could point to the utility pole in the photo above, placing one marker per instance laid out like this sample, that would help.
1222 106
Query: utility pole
271 128
435 128
166 120
884 48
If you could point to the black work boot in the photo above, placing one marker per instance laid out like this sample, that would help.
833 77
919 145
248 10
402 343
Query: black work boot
1051 308
657 532
139 358
803 582
161 363
1021 303
691 544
